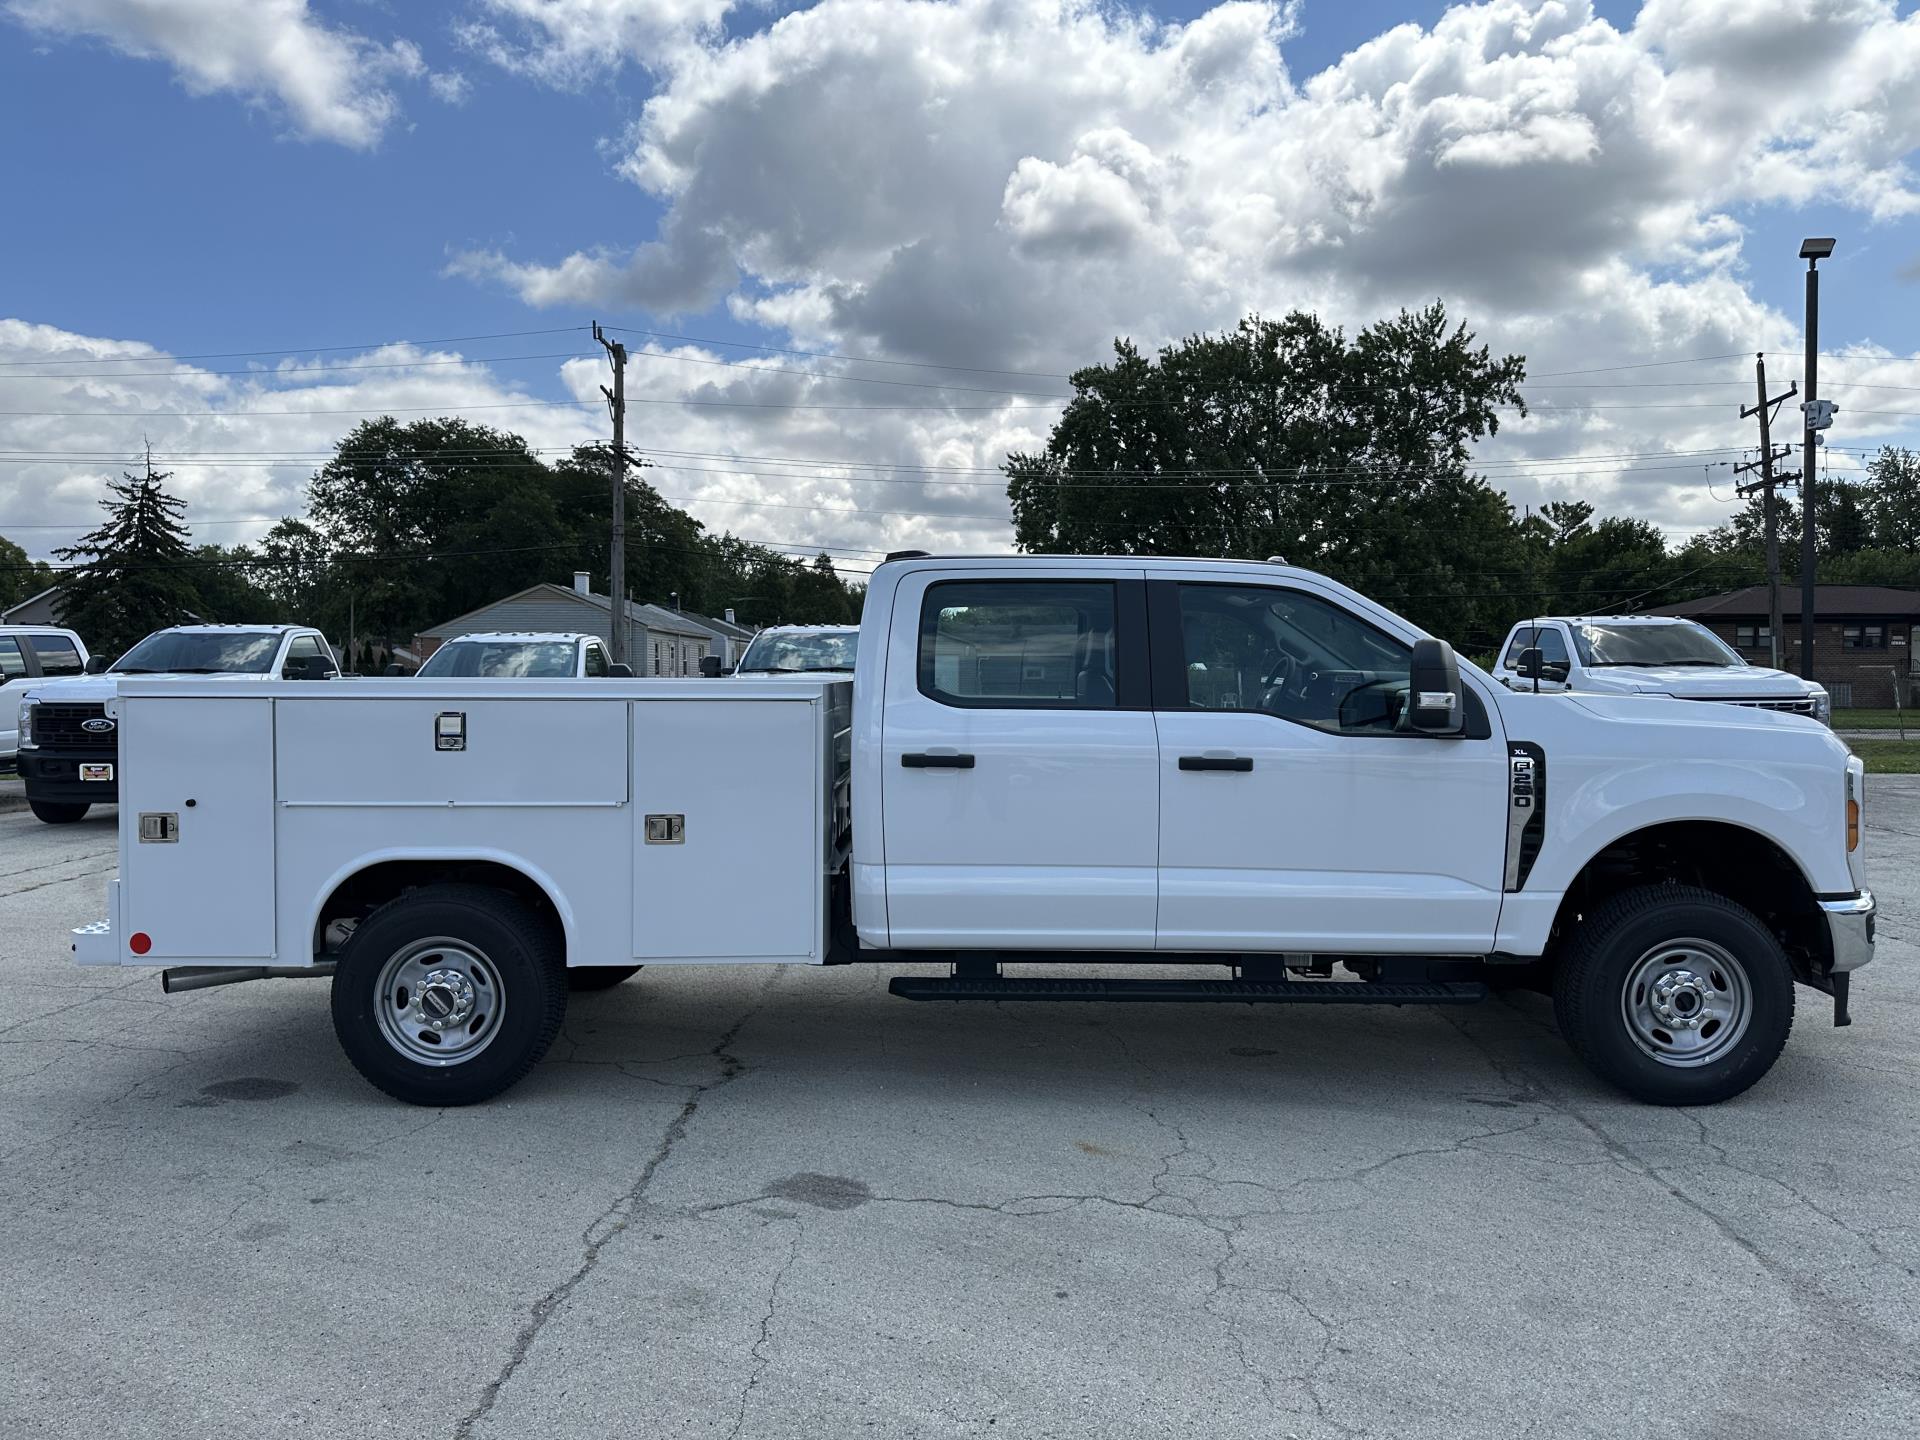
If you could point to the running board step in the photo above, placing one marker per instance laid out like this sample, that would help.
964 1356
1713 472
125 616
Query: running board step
1226 992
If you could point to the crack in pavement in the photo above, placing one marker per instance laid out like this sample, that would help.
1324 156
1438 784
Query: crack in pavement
759 1351
614 1219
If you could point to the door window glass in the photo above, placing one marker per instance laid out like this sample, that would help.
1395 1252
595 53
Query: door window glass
1552 645
1018 643
57 655
303 647
1292 655
596 660
12 663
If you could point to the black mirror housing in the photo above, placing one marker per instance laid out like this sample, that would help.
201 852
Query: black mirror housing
621 671
96 665
1527 667
1434 701
710 666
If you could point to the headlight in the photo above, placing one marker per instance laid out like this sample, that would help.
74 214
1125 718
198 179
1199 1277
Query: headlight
1823 707
26 724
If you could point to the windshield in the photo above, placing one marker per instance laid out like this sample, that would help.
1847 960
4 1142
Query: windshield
802 650
202 652
1681 643
502 659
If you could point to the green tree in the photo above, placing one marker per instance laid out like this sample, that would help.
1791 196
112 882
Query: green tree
1894 499
230 593
19 576
1285 437
134 573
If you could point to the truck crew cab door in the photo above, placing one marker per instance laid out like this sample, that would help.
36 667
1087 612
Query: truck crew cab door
1296 811
1020 798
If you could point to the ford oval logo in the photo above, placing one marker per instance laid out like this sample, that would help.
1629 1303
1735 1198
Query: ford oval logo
96 727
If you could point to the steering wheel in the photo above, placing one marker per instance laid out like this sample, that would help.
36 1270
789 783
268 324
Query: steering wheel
1275 685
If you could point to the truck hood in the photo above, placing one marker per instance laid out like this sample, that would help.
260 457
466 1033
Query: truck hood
1735 682
1677 714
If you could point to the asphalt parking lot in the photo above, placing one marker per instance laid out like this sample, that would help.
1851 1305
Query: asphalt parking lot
765 1202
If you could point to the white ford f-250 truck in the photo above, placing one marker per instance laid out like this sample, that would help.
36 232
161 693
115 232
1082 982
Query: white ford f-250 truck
1111 761
1646 655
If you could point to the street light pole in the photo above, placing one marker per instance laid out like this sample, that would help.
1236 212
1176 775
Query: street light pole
1812 251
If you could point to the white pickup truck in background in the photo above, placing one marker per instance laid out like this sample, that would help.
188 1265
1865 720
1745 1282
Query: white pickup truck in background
1244 768
1646 655
69 746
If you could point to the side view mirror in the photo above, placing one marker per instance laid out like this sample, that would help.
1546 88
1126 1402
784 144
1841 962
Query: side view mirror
1434 702
621 671
97 664
394 669
309 667
1531 666
710 666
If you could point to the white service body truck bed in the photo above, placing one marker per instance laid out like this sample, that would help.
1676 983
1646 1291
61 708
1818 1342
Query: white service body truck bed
258 805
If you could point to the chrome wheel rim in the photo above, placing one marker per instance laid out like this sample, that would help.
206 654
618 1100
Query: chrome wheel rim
439 1001
1686 1003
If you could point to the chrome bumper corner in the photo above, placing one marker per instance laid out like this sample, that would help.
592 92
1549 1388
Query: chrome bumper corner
1850 923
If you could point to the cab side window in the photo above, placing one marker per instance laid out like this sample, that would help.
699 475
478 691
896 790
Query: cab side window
1032 644
596 660
57 655
1552 645
13 665
1291 655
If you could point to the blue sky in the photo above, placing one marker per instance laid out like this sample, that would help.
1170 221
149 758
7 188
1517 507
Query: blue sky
151 205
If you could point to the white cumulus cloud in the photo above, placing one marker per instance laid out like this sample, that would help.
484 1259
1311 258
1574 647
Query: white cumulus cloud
332 83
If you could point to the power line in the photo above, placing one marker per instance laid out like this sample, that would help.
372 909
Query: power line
278 371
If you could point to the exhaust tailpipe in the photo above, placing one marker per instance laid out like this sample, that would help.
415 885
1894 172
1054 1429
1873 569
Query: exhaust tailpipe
203 977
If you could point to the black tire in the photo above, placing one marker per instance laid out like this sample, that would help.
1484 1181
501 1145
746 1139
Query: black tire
54 812
599 977
521 952
1595 997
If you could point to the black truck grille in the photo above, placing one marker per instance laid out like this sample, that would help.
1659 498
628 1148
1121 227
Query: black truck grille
64 727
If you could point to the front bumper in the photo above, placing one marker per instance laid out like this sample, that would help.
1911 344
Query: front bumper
1850 924
55 775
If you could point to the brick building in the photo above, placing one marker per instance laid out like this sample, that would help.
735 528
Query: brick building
1863 635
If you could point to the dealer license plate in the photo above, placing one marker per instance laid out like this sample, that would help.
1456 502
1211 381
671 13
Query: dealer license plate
96 772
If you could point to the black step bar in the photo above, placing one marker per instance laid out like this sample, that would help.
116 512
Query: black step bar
1223 992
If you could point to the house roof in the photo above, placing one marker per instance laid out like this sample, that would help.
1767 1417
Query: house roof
727 628
1830 602
31 599
653 617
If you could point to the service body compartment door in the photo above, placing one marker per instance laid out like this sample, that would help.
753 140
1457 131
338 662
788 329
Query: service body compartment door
201 771
730 821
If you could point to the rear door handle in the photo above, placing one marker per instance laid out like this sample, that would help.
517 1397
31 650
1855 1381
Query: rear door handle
1239 764
922 760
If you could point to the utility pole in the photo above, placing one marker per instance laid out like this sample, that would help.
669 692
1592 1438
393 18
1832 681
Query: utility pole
1764 409
617 579
1813 251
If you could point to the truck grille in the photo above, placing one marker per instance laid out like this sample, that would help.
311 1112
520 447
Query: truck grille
1791 707
61 727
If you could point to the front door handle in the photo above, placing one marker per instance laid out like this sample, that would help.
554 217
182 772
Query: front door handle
921 760
1239 764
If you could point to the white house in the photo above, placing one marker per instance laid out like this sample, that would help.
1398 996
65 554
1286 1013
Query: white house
658 641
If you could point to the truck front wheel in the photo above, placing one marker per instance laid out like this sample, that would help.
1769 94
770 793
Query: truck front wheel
449 994
53 812
1675 994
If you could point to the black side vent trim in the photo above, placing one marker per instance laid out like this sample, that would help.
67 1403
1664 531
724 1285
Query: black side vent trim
1526 809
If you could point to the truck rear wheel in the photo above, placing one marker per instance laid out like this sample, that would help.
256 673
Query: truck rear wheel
449 994
1675 994
53 812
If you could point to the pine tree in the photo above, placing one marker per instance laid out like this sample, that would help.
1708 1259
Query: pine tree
135 574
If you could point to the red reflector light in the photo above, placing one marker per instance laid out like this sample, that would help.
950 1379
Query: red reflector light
140 942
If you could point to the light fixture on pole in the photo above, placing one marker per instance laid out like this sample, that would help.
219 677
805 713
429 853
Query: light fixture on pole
1813 251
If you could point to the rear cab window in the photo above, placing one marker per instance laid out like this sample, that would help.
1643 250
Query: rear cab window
1020 644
